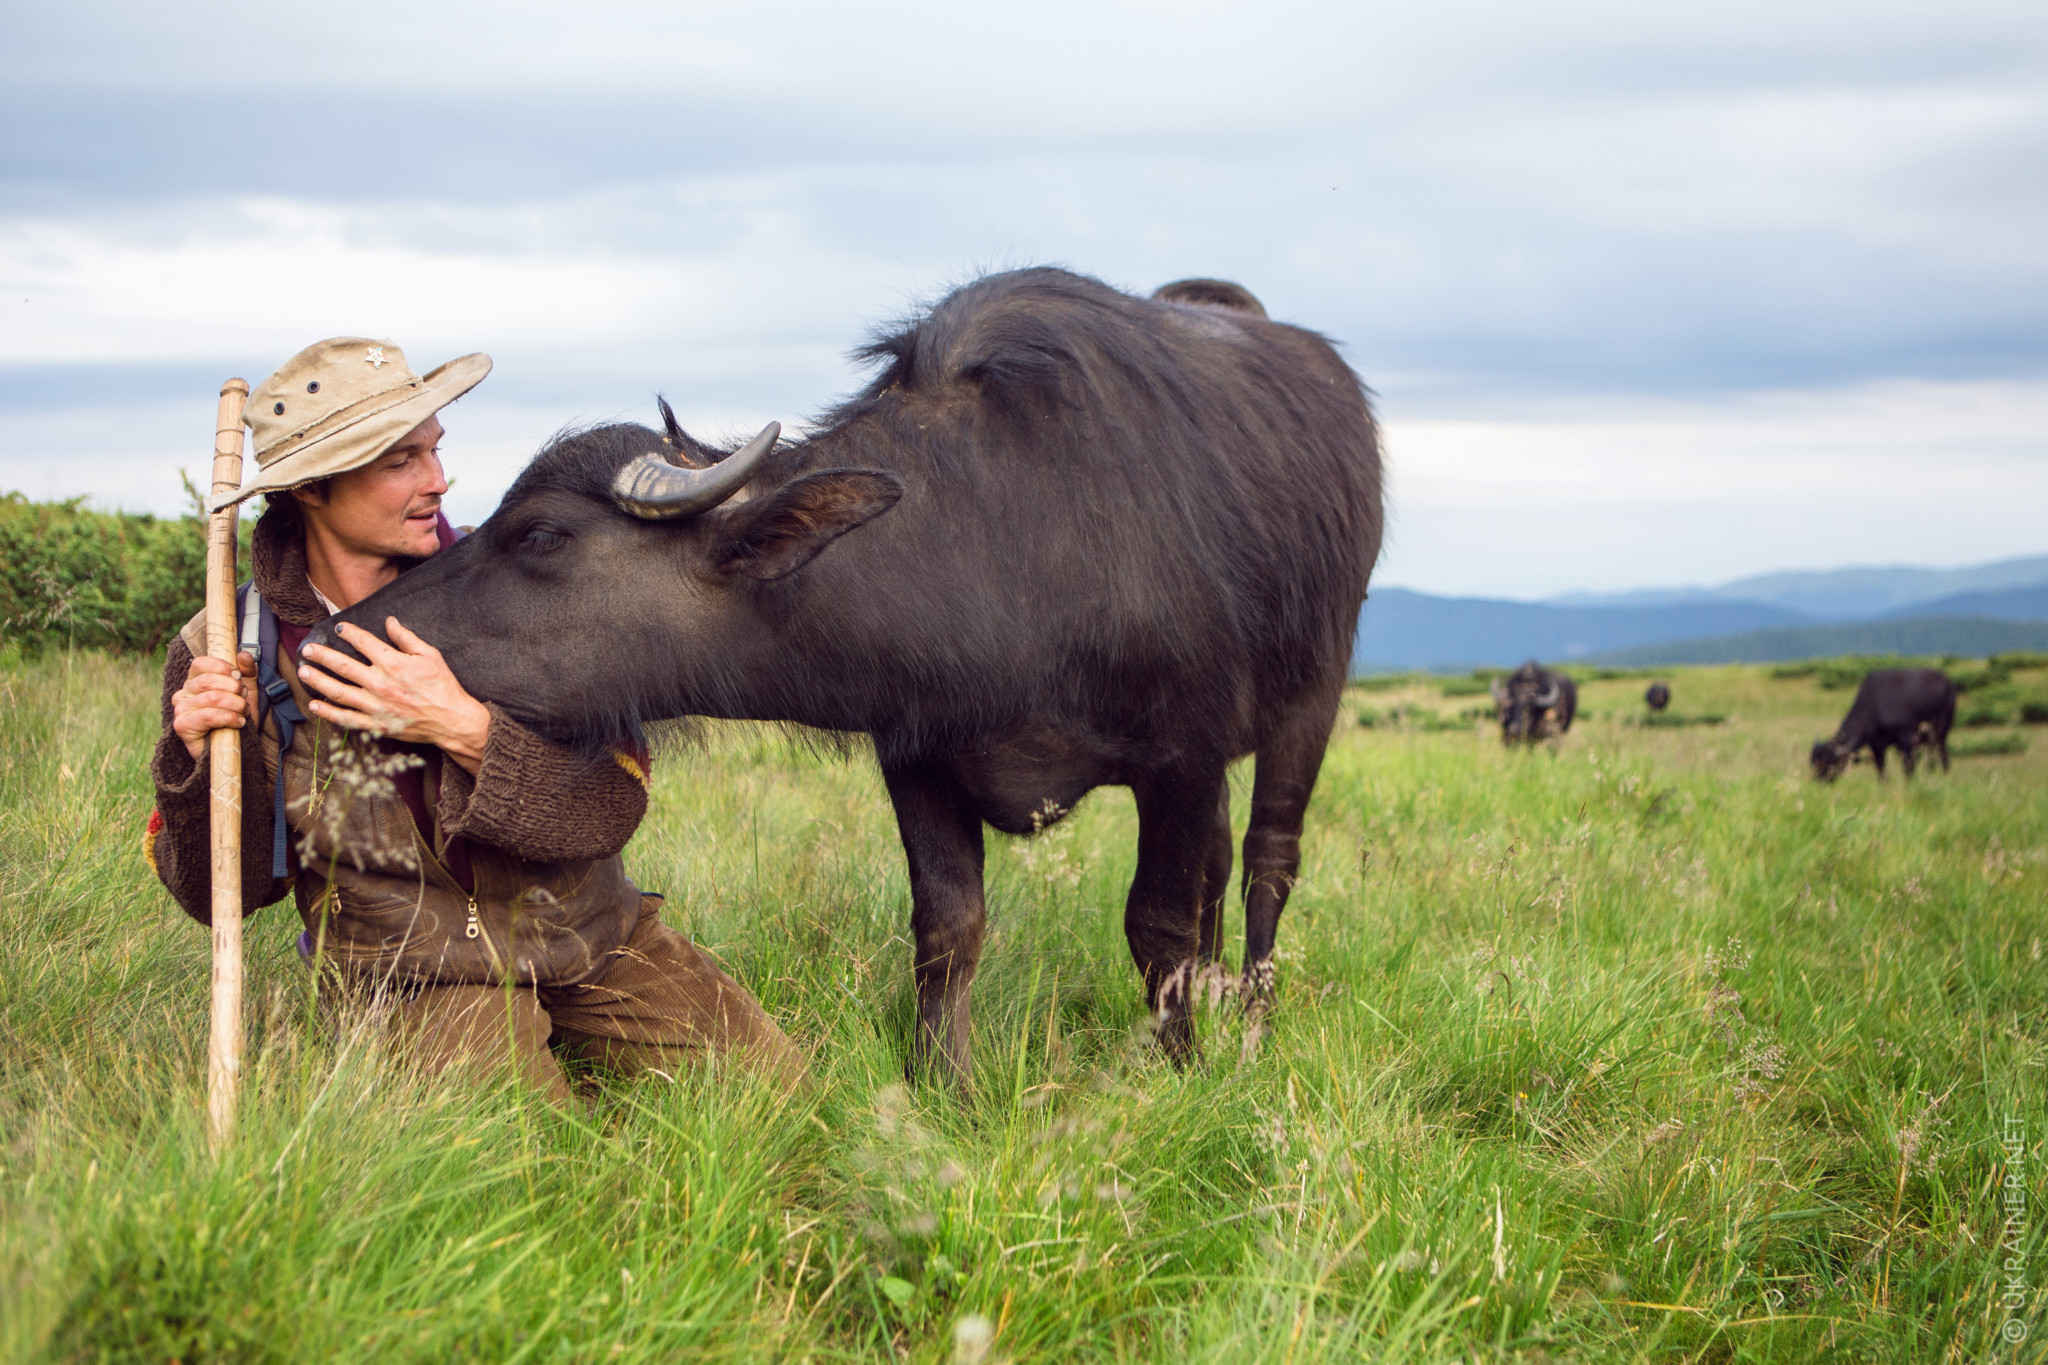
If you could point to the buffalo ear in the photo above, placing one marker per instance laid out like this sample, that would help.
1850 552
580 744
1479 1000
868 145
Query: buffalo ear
774 536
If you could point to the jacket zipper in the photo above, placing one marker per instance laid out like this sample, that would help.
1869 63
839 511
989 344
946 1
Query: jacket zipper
472 925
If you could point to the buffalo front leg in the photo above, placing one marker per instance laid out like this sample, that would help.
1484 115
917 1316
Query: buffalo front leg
1216 881
1284 778
1177 814
942 844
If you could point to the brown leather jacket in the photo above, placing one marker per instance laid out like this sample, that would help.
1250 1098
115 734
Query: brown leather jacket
537 830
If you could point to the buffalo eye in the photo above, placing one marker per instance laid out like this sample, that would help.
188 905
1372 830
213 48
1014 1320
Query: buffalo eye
540 540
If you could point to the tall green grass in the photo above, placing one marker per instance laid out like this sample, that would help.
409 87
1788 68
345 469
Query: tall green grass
1641 1046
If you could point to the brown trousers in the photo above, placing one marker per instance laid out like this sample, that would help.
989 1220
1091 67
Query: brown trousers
658 1004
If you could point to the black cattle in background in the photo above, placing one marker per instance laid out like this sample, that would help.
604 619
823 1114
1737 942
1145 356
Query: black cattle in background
1658 697
1088 539
1211 294
1534 703
1897 708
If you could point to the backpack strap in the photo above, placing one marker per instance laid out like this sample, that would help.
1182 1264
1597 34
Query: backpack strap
259 637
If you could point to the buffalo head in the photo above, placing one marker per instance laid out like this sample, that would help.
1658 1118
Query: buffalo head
617 583
1526 702
1830 759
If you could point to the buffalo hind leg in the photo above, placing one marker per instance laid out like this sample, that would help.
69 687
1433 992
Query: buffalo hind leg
942 843
1284 777
1177 813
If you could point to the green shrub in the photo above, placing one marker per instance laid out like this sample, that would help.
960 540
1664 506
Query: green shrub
1979 716
1786 672
1673 720
2034 713
1412 718
1384 682
1977 679
2019 660
1847 672
1835 675
1838 674
1468 687
72 576
1989 746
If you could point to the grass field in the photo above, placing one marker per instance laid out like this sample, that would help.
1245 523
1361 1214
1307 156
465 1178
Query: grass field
1644 1048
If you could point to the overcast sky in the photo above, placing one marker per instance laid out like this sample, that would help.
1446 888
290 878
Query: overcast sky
1647 298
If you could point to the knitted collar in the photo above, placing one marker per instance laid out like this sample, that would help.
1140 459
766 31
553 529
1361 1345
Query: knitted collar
277 561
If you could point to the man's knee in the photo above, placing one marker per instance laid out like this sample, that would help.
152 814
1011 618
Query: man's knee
479 1030
663 1000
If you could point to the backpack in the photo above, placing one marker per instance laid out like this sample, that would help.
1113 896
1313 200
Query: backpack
259 637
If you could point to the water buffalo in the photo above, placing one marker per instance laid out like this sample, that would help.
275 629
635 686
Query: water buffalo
1898 708
1089 539
1658 697
1211 294
1534 703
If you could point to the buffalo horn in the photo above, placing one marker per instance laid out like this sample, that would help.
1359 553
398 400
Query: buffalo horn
1548 697
655 490
1499 690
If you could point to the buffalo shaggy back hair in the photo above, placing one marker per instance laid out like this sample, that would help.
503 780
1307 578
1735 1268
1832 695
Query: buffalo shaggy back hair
1112 504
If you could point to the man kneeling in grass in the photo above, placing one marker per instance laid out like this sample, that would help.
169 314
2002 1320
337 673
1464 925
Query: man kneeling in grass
445 856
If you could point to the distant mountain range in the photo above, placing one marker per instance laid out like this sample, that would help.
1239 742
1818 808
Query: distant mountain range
1881 609
1972 637
1837 594
2005 604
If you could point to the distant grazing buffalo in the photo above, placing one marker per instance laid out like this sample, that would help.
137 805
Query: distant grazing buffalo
1211 294
1534 703
1658 697
1088 539
1897 708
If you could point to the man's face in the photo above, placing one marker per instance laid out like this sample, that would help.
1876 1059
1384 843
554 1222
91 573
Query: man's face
388 507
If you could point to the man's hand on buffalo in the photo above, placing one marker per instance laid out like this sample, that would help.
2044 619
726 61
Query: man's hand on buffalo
211 700
404 691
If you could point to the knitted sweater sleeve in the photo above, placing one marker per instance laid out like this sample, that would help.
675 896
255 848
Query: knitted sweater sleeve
542 801
178 844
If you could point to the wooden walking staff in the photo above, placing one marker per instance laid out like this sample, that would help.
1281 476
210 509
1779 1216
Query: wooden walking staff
224 753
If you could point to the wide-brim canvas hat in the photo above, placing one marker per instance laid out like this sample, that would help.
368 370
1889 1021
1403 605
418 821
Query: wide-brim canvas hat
339 404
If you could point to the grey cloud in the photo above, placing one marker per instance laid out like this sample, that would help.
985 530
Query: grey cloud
1489 210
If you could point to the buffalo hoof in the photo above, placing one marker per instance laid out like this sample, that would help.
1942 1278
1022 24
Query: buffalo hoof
1213 983
1256 990
1173 1020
